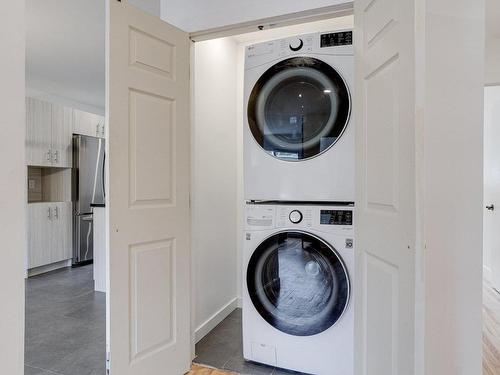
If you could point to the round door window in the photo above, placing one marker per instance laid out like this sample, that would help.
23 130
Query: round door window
299 108
298 283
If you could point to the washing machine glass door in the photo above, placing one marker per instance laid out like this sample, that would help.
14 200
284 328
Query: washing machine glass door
299 108
298 283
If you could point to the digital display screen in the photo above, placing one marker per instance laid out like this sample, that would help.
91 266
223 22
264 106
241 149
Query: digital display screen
336 217
343 38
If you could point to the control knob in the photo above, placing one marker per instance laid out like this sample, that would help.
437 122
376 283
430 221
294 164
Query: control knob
296 45
295 216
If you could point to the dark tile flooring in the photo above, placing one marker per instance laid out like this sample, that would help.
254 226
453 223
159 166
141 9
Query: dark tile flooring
65 324
66 330
223 348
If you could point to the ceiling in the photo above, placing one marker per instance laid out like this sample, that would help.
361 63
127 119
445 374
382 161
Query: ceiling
65 49
196 15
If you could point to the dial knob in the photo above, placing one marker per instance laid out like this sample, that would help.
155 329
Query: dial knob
296 45
295 216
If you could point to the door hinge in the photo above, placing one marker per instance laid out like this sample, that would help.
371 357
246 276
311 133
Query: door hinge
108 355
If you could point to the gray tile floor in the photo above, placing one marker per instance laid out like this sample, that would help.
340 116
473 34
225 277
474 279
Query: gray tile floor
222 348
66 330
65 324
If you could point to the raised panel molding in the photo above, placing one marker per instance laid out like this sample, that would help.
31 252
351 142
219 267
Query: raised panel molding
152 310
151 53
382 139
380 16
381 318
152 150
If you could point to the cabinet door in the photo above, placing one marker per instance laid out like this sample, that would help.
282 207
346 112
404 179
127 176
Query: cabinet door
61 244
62 136
101 133
87 123
38 132
39 234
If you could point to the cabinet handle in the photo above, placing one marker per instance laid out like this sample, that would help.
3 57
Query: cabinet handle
49 213
56 212
56 156
49 155
97 132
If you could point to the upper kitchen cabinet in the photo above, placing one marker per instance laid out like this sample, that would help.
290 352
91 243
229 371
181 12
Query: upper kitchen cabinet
38 132
86 123
48 134
62 136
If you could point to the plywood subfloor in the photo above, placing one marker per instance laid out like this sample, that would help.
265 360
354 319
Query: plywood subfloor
491 331
201 370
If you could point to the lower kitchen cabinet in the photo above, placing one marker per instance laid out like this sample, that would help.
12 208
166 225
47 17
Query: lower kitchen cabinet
49 233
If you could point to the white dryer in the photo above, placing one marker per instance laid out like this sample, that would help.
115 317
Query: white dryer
299 132
297 297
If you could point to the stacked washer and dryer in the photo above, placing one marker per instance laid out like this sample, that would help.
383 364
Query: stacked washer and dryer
299 191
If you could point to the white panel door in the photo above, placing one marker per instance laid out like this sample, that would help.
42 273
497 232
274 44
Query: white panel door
62 136
148 198
492 185
385 131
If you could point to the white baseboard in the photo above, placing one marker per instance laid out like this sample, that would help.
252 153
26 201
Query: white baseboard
487 273
49 267
215 319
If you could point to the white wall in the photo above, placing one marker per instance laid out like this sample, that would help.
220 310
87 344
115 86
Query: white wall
12 187
195 15
214 185
453 185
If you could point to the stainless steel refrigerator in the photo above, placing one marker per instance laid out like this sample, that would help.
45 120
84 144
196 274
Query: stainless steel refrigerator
88 191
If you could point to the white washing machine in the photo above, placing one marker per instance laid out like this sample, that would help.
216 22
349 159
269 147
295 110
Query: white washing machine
297 297
299 129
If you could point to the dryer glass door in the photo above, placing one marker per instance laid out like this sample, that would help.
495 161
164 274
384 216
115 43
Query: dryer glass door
299 108
298 283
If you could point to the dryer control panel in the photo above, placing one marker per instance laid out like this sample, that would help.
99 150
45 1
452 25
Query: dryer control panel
333 43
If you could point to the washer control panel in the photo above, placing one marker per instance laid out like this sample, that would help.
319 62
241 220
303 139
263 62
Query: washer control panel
336 219
294 216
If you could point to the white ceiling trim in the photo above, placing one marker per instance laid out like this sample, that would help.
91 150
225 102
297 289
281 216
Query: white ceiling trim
311 15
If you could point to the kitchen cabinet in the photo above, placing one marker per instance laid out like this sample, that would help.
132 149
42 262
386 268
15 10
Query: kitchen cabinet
49 233
62 136
86 123
38 132
48 134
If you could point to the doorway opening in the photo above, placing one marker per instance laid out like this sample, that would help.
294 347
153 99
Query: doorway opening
65 315
491 238
218 203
